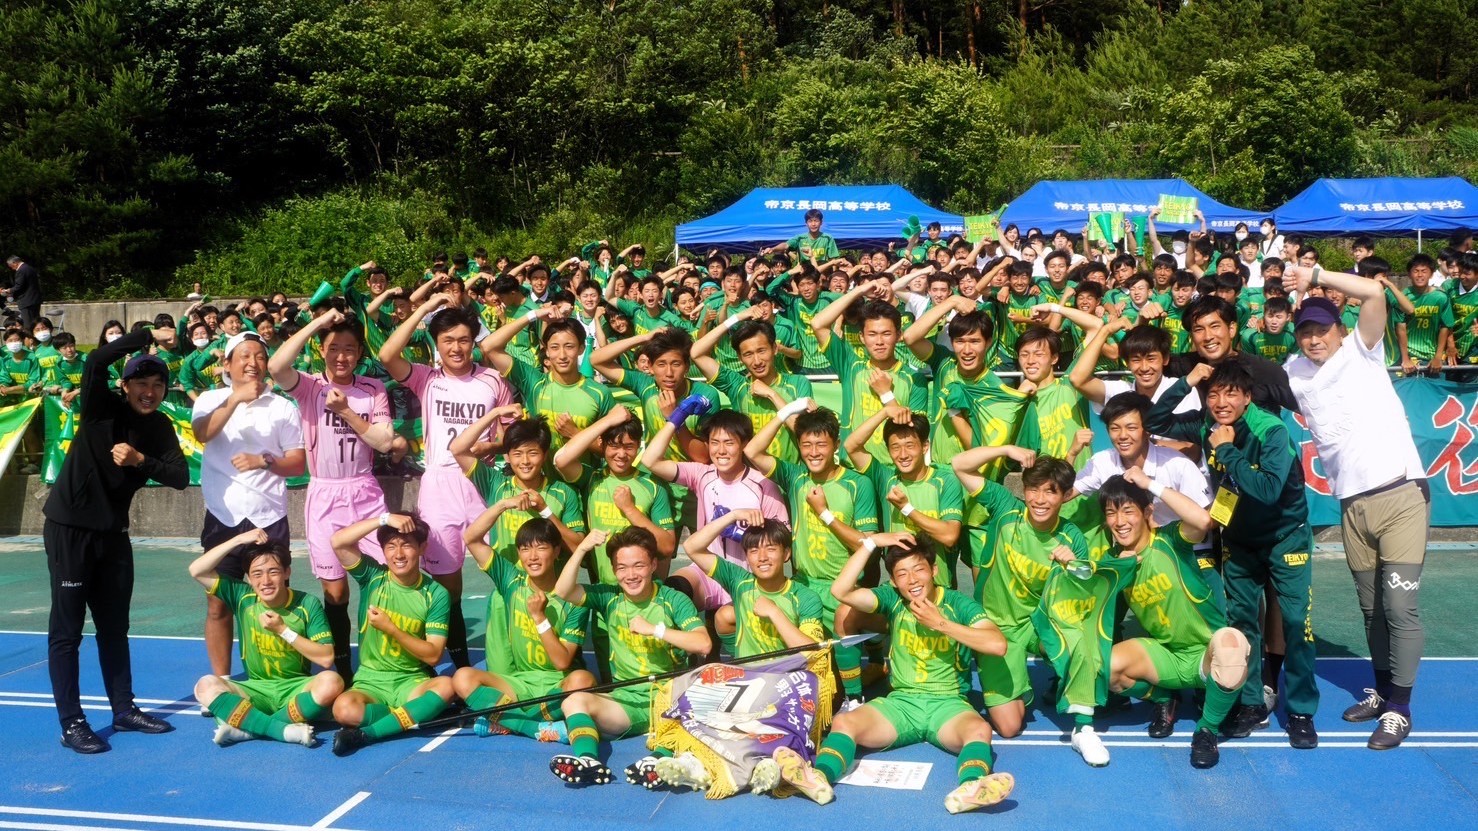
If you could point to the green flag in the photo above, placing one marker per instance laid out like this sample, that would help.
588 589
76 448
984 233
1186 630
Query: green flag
61 427
1178 210
13 423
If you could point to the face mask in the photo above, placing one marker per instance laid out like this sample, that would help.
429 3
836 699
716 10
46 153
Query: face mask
1177 247
112 336
201 343
14 346
1241 235
44 335
1267 229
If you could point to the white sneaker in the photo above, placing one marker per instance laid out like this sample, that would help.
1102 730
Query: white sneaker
684 771
298 734
764 777
850 704
1269 703
980 793
1090 746
227 735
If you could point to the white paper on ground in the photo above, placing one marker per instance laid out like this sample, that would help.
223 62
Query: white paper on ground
902 776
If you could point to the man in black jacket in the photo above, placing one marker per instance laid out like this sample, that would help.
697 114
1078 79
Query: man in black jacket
25 291
1212 325
121 443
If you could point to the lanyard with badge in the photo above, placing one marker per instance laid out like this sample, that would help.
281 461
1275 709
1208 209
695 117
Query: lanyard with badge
1227 494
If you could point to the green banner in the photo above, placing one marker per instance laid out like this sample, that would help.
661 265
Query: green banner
983 226
1178 210
13 423
61 426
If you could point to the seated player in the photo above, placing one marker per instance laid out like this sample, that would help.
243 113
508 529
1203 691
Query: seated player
771 613
929 624
1189 645
282 632
403 618
651 628
544 633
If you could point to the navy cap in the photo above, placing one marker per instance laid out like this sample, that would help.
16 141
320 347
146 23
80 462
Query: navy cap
145 364
1316 310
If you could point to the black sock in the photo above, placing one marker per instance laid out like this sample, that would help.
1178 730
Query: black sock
1272 666
1383 685
456 637
338 626
1400 700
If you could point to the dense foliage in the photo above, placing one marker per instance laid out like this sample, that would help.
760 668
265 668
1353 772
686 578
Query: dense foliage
147 144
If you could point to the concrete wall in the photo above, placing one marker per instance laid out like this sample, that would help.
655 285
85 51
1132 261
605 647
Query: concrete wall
85 320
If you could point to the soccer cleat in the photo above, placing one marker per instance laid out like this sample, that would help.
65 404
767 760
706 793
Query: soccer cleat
1204 752
78 736
553 731
1243 719
643 772
1090 746
1269 704
226 735
1368 708
764 777
298 734
1301 733
1391 732
484 726
580 770
348 740
980 793
138 721
1163 723
684 771
798 773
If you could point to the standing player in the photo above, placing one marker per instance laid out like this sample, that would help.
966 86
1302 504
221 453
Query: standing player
282 633
1429 324
453 396
402 633
556 392
345 420
929 624
753 341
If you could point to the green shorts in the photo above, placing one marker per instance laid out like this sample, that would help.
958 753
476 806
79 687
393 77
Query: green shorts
919 718
272 694
537 683
1004 678
1179 668
636 700
498 656
829 604
393 689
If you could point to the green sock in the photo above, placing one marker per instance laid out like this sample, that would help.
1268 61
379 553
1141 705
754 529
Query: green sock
727 642
1082 720
849 665
835 756
238 712
401 719
484 697
584 738
1218 703
373 712
1145 691
301 710
976 760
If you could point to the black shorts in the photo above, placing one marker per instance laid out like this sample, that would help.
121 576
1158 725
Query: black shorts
214 532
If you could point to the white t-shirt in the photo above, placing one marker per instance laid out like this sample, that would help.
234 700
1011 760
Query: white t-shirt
1115 386
270 424
1161 464
1359 427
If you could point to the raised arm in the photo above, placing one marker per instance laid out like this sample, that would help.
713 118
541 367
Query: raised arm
856 441
476 535
1082 376
391 352
1195 521
495 344
606 359
917 335
702 351
696 545
757 451
967 464
280 365
821 324
1370 293
567 460
345 541
203 568
466 448
568 586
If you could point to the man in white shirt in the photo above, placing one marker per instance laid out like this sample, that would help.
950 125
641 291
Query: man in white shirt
253 443
1364 443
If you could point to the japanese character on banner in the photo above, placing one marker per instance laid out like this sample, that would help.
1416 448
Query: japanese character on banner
772 204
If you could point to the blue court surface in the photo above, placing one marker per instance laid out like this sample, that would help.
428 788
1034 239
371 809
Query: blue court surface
454 780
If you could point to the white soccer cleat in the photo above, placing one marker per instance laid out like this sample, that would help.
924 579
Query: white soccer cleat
1090 746
764 777
226 735
980 793
684 771
298 734
799 774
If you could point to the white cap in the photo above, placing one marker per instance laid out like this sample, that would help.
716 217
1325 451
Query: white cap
238 339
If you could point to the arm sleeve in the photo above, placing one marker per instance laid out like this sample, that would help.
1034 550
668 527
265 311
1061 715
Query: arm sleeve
1163 420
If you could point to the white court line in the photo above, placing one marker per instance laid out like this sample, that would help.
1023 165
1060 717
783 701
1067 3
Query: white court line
49 826
348 805
93 635
440 740
98 698
100 707
149 818
1232 745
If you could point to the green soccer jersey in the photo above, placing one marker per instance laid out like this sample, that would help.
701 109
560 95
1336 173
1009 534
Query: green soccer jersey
645 321
1275 347
1012 318
983 507
756 635
822 245
421 611
523 347
1020 561
584 401
1433 313
493 484
526 647
1249 305
633 655
1465 314
264 654
46 357
994 410
923 661
800 313
66 374
1053 418
859 401
851 498
24 371
1169 596
1049 292
645 388
737 388
1174 325
651 497
936 495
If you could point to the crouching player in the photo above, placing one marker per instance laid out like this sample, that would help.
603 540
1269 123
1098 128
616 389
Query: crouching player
544 633
929 624
1189 645
651 627
403 618
281 631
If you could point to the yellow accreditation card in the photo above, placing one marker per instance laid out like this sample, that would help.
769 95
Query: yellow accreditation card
1224 505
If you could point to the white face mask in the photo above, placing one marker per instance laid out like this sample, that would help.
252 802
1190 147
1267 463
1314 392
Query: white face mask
14 346
201 343
1241 235
112 336
1177 247
1267 230
44 335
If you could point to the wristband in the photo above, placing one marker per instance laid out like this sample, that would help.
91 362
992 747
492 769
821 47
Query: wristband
660 631
729 323
907 509
288 635
793 408
888 397
1054 308
544 626
384 519
869 544
547 512
827 518
532 316
1156 490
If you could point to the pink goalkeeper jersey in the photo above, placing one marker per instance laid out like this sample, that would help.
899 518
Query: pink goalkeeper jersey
717 498
450 403
335 451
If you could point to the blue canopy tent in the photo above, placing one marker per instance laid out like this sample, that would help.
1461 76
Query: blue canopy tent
1383 207
1060 204
854 215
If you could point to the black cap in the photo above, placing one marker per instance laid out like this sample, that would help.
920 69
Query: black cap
145 364
1316 310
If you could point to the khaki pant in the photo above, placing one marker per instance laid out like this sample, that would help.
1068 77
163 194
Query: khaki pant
1385 546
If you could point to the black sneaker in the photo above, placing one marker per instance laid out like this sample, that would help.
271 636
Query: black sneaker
1204 752
1368 708
1301 733
138 721
580 770
1243 719
1163 723
78 735
348 740
1391 732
